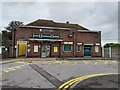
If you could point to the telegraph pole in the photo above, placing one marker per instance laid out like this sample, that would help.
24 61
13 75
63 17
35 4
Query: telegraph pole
13 35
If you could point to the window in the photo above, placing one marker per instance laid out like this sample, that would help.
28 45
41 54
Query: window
36 48
96 49
67 47
36 35
55 36
46 36
55 49
78 48
3 48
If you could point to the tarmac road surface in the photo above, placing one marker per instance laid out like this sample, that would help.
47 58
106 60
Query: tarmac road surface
51 74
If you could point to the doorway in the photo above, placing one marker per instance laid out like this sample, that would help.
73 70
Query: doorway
45 50
106 52
21 48
87 50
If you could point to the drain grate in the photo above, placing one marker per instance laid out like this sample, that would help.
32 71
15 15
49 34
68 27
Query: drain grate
47 75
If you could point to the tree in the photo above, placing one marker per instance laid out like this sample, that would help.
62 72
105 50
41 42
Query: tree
13 24
12 28
6 38
0 38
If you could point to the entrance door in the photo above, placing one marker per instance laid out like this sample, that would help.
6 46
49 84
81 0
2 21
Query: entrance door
106 52
45 50
21 48
87 50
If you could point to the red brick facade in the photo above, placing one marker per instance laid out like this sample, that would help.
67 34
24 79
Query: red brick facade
73 36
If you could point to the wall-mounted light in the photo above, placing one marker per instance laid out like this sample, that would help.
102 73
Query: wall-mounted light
28 46
70 35
15 46
40 30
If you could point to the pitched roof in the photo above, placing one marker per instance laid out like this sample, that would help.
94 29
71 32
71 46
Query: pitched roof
51 23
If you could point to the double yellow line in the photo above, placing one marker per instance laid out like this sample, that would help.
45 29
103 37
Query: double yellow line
69 83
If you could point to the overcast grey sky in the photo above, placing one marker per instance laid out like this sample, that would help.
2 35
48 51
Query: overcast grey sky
98 16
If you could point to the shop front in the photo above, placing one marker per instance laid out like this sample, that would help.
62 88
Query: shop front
44 47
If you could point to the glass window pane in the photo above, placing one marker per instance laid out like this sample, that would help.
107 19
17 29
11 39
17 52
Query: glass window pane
55 36
67 47
96 49
46 36
78 48
36 35
36 48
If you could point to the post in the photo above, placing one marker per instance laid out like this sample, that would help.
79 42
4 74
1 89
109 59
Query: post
50 48
74 43
103 51
59 50
14 42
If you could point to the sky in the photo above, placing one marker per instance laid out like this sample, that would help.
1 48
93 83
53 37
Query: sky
96 16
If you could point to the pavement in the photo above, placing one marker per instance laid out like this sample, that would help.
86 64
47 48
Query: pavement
8 60
51 74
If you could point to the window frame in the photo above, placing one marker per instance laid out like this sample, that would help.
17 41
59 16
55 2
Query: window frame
55 36
36 37
46 35
96 49
36 50
64 47
77 48
54 49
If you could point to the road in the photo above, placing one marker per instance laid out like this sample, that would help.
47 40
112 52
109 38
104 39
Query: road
51 74
104 81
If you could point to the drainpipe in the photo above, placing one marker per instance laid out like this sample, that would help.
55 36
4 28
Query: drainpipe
59 50
50 48
74 43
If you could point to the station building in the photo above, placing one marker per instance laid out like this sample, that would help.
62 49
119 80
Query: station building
46 38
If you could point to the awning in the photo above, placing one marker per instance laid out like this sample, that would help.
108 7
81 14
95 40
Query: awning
41 39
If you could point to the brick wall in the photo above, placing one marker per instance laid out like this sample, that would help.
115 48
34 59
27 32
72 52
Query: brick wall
78 37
